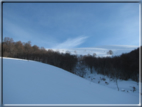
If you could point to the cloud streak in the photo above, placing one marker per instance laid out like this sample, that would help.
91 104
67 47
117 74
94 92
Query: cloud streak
71 43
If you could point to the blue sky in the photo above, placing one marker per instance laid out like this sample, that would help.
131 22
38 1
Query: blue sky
72 25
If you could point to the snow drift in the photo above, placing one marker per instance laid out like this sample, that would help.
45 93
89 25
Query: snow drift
30 82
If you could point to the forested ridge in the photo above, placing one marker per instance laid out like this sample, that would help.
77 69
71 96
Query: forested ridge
125 66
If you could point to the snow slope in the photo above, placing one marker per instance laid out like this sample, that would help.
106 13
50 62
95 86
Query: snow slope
124 86
30 82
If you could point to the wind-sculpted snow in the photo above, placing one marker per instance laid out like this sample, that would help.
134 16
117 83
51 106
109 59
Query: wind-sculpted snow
30 82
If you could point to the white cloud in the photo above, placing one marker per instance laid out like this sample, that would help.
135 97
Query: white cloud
71 43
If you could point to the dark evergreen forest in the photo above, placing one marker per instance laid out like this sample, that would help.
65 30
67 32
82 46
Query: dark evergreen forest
125 66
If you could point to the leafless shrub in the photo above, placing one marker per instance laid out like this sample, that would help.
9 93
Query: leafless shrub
106 83
103 79
123 90
134 89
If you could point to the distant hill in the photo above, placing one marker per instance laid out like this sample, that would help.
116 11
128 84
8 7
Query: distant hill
101 51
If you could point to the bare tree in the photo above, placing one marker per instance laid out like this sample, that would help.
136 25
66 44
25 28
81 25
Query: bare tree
80 68
75 52
68 52
94 54
110 52
116 74
28 49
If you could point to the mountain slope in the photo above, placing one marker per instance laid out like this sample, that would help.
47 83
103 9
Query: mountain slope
30 82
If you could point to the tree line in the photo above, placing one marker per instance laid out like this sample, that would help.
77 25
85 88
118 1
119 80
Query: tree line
26 51
125 66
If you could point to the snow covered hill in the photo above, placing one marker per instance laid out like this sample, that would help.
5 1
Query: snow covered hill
30 82
101 51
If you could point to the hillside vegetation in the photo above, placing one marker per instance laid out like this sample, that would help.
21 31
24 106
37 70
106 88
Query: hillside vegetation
125 66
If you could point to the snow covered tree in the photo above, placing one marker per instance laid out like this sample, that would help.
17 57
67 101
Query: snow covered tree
80 69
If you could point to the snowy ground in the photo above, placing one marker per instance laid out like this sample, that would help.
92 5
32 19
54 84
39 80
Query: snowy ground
30 82
124 86
101 51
